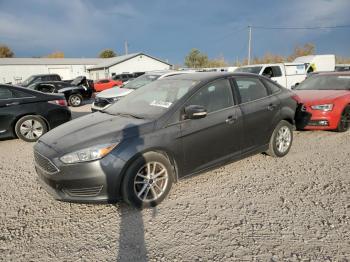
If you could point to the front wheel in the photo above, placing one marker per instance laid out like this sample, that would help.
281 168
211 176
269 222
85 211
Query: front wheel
30 128
75 100
344 122
148 180
281 140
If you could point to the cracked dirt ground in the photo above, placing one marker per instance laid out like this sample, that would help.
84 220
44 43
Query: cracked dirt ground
258 209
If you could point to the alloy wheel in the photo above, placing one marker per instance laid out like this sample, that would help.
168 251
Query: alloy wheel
31 129
75 100
151 181
283 139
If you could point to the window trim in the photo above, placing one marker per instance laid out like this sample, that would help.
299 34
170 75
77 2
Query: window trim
207 84
258 78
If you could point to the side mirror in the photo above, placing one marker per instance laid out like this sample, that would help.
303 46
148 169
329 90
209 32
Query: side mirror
195 112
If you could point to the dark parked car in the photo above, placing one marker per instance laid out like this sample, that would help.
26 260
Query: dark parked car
123 77
73 94
40 78
174 127
29 114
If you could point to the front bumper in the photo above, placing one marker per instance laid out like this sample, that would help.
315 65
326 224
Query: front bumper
321 120
95 181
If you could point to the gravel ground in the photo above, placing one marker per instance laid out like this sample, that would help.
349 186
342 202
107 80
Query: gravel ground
258 209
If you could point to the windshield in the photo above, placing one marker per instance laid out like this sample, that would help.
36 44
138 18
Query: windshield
251 69
153 100
141 81
28 80
325 82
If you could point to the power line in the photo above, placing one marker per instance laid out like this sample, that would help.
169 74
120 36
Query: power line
301 28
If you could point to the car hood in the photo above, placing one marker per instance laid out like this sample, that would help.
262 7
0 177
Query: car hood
317 96
114 92
94 129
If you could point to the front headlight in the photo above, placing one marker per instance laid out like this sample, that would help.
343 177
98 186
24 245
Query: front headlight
88 154
324 107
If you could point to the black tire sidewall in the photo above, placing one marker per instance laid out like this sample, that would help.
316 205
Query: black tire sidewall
340 128
75 95
273 145
127 187
25 118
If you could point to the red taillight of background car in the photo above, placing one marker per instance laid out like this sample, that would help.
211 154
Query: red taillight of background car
60 102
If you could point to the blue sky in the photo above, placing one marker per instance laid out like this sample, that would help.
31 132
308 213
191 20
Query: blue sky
169 29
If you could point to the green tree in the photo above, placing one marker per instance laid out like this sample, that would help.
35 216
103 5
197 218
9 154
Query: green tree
195 59
107 53
5 51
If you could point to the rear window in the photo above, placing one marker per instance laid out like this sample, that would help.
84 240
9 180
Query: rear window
5 93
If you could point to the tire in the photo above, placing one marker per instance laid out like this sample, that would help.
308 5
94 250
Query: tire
344 122
75 100
140 187
30 128
281 140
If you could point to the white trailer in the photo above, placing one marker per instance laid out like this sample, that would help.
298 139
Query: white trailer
317 63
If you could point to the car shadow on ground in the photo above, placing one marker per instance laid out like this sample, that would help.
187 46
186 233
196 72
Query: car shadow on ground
132 245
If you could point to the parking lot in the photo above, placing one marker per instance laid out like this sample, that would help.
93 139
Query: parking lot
260 208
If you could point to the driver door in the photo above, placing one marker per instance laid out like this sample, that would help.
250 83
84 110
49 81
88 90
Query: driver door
216 137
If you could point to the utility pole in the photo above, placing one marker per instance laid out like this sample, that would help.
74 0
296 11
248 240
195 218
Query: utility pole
249 43
126 47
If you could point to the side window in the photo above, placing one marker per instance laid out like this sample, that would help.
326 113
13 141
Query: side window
5 93
215 96
276 71
250 89
272 71
271 86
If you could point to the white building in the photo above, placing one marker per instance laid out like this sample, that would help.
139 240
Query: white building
16 70
137 62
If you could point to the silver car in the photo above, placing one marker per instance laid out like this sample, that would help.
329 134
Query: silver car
105 98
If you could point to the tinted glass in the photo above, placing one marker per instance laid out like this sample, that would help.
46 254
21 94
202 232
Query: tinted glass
276 70
251 69
5 93
271 86
325 82
250 89
152 100
141 81
214 97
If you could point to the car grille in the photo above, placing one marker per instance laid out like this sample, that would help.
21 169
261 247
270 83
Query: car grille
102 102
44 163
83 192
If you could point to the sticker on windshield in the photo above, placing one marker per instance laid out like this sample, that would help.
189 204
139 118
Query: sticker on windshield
160 104
344 77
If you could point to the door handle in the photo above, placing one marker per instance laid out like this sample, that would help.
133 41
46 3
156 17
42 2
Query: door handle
12 104
271 107
230 120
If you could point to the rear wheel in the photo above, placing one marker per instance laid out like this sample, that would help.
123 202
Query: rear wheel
75 100
281 140
30 128
344 122
148 180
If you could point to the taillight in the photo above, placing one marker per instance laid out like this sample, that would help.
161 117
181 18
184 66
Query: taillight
60 102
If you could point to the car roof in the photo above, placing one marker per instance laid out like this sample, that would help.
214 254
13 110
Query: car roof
208 76
338 73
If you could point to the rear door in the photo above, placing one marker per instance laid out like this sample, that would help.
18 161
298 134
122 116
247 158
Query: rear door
259 109
217 136
12 104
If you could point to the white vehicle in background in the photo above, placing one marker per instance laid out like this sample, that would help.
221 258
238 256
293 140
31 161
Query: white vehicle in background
105 98
285 74
317 63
